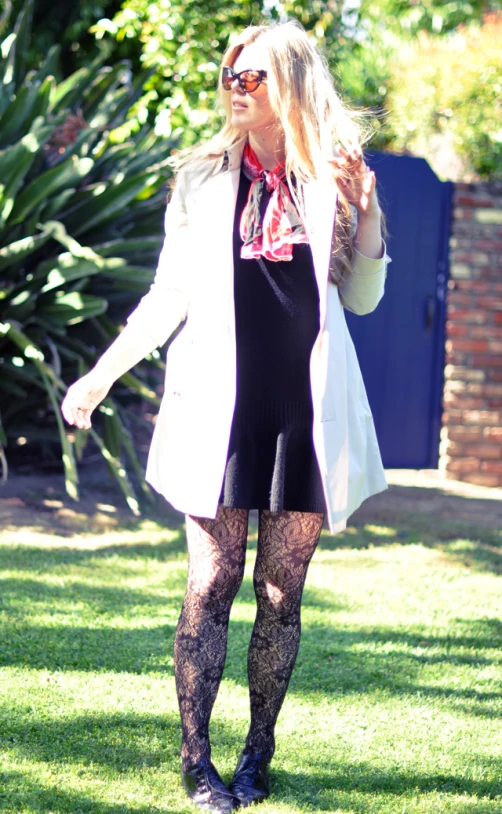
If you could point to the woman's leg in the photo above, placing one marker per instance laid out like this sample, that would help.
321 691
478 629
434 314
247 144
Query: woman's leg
286 543
216 557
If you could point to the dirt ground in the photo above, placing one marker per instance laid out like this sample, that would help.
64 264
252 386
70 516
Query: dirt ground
427 492
39 501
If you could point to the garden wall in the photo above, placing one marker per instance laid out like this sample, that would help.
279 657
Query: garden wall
471 434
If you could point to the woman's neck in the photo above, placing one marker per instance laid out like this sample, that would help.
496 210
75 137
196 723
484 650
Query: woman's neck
268 146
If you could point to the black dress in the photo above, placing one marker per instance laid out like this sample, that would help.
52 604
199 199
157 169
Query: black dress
271 461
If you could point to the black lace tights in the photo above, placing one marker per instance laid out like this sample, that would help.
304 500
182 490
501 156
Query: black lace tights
216 555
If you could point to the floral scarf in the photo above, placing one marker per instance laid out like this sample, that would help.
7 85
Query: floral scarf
273 235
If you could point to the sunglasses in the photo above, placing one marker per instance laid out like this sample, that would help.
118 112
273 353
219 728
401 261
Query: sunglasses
248 80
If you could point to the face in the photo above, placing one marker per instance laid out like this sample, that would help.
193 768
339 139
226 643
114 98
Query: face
252 111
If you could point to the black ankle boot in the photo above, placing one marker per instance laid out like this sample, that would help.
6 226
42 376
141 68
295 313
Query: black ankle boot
250 783
206 789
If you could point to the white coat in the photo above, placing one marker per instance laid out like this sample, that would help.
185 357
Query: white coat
194 280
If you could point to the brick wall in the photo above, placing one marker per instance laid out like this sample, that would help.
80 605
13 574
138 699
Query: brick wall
471 435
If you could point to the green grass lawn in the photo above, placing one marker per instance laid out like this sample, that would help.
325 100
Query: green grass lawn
395 703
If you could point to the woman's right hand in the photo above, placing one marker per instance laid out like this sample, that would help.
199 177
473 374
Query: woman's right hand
83 397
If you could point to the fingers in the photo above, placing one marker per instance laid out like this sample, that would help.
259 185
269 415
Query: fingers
369 182
83 418
369 198
82 397
349 175
353 151
67 411
77 416
351 165
352 156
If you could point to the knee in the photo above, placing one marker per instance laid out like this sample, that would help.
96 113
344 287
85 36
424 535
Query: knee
215 588
277 596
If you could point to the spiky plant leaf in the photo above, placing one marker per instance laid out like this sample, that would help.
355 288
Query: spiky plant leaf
81 227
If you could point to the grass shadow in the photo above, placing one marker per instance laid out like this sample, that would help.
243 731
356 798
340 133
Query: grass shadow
468 531
42 560
115 748
342 778
20 793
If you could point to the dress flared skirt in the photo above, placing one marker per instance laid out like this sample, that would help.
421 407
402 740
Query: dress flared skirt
271 462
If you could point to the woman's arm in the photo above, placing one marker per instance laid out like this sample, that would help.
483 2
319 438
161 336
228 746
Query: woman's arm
149 326
129 348
368 237
363 289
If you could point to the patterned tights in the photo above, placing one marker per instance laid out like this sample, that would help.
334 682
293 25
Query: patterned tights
216 556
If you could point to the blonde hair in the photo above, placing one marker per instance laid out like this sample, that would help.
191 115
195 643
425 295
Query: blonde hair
311 114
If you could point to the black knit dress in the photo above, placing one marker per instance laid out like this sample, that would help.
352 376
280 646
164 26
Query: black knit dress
271 462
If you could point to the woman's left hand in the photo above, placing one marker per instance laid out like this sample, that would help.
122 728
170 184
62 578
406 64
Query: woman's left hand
356 181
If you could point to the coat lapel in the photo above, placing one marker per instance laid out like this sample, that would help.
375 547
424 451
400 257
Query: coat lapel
214 209
320 207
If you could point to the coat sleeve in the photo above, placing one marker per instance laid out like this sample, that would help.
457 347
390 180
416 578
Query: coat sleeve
363 289
165 305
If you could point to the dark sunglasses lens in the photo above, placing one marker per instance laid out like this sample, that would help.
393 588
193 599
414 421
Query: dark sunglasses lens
227 77
250 80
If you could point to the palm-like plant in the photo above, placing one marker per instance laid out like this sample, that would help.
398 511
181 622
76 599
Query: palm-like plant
81 225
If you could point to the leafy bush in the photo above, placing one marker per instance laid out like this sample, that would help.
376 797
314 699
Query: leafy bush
67 24
184 40
445 94
407 19
81 225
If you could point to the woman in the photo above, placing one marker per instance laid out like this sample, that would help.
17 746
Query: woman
264 406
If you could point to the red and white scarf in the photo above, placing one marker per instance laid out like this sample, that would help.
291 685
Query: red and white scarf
281 227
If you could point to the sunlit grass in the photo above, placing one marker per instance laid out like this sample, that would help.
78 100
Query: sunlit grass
394 705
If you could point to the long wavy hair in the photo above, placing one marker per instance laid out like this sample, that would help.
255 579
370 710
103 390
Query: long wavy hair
311 114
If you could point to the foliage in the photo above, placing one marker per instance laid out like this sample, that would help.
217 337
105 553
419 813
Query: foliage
363 78
184 41
81 224
67 24
447 92
409 63
409 18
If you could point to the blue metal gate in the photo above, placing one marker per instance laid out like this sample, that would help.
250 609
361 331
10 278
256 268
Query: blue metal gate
400 346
